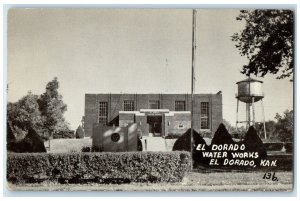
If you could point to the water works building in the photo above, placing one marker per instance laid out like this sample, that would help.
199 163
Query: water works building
156 114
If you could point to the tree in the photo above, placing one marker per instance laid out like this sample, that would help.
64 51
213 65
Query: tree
268 42
79 132
280 130
63 131
24 114
284 126
270 129
42 113
52 109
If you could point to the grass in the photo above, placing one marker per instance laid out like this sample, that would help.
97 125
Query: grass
67 145
195 181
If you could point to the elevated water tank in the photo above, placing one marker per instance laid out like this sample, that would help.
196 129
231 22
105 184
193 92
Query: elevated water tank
249 89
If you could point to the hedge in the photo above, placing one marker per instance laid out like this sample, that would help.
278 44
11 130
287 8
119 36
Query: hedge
98 167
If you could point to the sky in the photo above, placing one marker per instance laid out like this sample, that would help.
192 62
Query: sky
131 51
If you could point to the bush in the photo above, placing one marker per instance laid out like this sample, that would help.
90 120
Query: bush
184 144
100 167
253 143
64 134
96 149
86 149
288 147
32 143
79 132
274 146
91 149
222 136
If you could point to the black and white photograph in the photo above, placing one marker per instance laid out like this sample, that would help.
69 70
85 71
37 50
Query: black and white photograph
150 99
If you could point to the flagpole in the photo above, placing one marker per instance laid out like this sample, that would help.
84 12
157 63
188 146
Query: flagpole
193 82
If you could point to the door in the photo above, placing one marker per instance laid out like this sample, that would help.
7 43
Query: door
154 125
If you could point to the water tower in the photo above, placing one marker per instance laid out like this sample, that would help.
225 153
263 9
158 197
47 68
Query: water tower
250 92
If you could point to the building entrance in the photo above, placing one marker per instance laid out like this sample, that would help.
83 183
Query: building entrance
154 125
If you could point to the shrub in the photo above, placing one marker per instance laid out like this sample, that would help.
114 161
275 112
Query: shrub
91 149
64 134
288 147
96 149
253 143
32 143
222 136
275 146
85 149
101 167
183 143
173 135
79 132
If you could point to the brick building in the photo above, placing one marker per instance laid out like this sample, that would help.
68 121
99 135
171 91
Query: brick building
156 114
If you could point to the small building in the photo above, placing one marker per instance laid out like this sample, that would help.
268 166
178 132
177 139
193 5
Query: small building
156 114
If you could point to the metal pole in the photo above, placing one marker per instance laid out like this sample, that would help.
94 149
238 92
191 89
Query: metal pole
263 114
193 80
237 113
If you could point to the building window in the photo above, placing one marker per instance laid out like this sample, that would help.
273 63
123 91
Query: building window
154 104
179 105
204 115
128 105
103 113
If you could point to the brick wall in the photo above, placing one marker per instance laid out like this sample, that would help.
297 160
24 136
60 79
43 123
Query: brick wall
167 101
217 114
172 123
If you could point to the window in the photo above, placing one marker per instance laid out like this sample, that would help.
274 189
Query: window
128 105
103 113
204 115
154 104
179 105
180 126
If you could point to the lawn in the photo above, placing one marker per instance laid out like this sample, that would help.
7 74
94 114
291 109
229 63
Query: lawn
195 181
67 145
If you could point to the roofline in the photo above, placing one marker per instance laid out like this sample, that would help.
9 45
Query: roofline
249 80
204 94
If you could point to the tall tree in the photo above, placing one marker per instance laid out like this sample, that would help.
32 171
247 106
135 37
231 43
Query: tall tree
268 42
52 109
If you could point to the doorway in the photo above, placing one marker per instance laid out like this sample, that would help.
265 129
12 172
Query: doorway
154 125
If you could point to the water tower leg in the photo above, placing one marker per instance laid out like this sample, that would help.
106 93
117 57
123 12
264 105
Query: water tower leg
248 119
263 115
253 112
237 113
